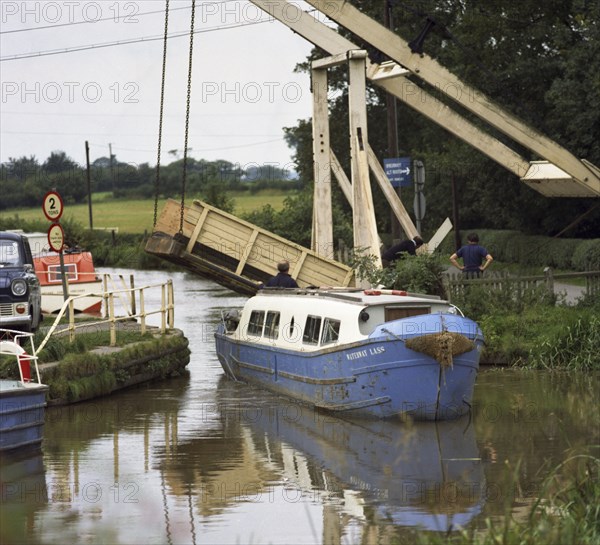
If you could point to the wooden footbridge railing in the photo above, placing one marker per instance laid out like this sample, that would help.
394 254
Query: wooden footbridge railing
111 319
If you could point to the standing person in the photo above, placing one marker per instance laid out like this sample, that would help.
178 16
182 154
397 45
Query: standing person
283 278
472 255
405 247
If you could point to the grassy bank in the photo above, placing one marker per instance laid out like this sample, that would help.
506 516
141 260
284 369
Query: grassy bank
137 215
85 374
567 512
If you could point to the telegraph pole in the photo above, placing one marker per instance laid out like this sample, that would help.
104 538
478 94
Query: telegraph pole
89 183
112 169
392 125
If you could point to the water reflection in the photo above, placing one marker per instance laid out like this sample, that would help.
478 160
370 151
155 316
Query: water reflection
364 473
23 494
199 459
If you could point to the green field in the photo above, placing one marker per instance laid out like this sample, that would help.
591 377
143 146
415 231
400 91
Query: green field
137 215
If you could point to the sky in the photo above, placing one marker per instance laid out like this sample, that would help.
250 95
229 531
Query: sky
244 89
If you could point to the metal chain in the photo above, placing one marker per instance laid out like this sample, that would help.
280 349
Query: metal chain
187 118
160 118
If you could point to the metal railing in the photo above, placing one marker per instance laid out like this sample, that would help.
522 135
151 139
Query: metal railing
166 311
16 343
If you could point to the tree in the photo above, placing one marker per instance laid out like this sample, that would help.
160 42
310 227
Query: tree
540 60
58 162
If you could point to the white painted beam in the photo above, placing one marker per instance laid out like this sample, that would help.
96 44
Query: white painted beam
430 71
364 224
322 241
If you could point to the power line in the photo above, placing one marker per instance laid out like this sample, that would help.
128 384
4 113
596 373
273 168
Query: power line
93 21
113 18
125 42
134 40
196 150
121 115
50 133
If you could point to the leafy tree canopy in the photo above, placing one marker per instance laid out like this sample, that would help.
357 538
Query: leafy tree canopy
539 60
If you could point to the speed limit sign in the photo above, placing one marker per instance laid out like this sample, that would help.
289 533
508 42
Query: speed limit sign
52 205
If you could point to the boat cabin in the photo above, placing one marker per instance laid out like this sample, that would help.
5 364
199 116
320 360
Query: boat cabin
79 268
310 320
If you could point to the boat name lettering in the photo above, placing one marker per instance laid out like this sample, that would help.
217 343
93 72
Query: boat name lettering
364 353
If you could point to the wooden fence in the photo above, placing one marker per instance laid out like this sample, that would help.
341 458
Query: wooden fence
456 284
166 309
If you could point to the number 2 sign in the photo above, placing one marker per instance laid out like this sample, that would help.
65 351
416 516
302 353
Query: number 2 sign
52 205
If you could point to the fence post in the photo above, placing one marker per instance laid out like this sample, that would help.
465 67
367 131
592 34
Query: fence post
71 321
111 317
105 293
447 285
549 280
171 302
132 286
163 310
142 312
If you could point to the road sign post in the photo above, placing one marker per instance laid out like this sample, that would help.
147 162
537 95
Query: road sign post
399 171
419 201
53 207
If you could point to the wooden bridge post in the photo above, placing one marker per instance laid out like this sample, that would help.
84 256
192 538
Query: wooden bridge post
322 233
364 224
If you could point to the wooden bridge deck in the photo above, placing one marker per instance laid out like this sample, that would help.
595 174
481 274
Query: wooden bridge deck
236 253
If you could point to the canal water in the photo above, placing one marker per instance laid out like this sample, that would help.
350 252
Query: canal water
201 459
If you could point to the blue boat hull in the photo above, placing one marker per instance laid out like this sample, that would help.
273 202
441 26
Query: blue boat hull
378 377
21 415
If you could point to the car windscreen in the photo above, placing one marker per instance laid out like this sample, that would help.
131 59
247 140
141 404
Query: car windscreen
10 256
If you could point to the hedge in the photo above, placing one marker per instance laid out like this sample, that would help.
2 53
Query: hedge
534 250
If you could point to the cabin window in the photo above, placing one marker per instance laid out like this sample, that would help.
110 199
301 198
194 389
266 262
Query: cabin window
54 272
272 325
331 331
396 313
311 330
255 325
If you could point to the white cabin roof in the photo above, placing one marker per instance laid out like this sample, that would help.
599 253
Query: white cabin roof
296 306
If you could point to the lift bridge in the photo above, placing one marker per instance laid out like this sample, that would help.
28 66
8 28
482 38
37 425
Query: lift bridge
240 256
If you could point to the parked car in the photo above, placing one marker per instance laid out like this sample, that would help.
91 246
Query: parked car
20 293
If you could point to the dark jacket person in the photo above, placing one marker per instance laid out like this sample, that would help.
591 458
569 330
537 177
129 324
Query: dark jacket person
283 278
398 250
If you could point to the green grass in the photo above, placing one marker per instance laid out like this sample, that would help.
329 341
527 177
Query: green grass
136 215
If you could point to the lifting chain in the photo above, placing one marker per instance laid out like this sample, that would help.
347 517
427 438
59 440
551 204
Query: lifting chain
160 119
187 118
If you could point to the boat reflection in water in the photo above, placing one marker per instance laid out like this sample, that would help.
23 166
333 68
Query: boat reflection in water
366 474
23 494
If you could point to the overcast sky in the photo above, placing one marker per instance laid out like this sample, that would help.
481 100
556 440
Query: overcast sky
244 89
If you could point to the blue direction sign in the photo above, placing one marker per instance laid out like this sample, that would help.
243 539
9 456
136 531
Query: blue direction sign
399 171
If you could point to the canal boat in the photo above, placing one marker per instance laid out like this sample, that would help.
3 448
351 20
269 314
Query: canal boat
373 353
80 273
22 400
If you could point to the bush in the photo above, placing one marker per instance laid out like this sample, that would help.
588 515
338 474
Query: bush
587 255
537 251
421 274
